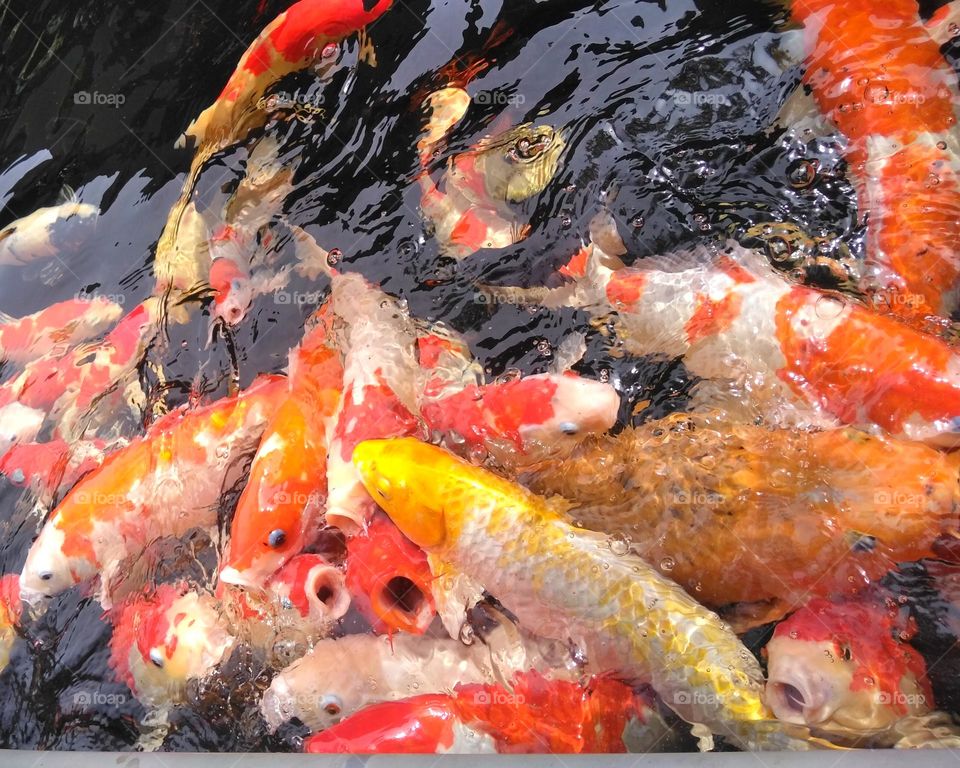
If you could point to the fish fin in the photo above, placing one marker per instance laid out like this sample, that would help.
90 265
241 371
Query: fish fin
746 616
53 273
5 318
68 194
800 112
368 53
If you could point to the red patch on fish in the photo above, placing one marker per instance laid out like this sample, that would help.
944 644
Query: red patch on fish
577 266
712 317
470 231
875 638
379 414
626 287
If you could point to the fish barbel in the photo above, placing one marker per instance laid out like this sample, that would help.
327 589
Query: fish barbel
570 583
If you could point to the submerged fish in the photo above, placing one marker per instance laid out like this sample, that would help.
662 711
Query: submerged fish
55 328
340 677
846 668
470 208
44 233
569 583
533 715
11 609
162 484
786 514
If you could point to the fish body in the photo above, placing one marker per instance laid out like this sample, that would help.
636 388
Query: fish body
390 579
879 76
44 233
281 508
570 583
802 354
11 609
470 208
67 388
52 467
56 328
339 677
162 484
846 667
788 513
534 715
19 425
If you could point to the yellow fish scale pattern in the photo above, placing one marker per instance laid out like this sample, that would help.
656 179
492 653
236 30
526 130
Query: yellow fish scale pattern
564 582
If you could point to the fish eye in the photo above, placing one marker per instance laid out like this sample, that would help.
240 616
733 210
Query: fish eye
156 658
569 428
46 575
845 652
331 704
277 538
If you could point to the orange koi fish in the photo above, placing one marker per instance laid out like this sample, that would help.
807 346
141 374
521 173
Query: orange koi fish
281 508
535 715
55 329
880 78
162 484
846 668
389 579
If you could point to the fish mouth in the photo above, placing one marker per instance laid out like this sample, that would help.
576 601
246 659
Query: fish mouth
403 604
797 699
327 592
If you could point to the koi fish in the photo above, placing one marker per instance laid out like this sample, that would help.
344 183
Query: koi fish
880 78
389 579
290 43
165 638
18 425
376 340
533 415
571 583
337 678
52 467
313 587
66 389
55 329
534 716
470 208
44 233
162 484
846 668
282 505
862 502
802 354
11 609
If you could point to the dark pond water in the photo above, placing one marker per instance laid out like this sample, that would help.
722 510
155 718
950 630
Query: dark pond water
670 103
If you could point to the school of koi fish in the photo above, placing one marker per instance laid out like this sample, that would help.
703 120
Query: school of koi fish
430 559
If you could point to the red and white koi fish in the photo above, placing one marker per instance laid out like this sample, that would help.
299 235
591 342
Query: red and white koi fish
389 579
281 508
534 716
533 415
65 389
11 608
337 678
845 668
44 233
55 329
162 484
313 587
800 353
53 467
165 638
880 78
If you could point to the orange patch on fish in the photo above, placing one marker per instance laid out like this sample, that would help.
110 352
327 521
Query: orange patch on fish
712 317
625 287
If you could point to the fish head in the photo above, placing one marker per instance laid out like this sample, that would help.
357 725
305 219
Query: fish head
19 424
845 668
413 482
573 408
165 638
48 570
520 163
313 587
232 291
